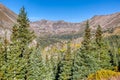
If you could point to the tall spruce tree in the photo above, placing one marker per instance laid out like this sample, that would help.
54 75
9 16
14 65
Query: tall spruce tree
114 48
36 67
57 67
87 37
66 65
54 65
98 35
18 54
4 58
25 37
84 62
98 41
102 50
1 60
49 69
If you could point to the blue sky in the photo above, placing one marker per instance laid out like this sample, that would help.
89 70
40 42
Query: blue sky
68 10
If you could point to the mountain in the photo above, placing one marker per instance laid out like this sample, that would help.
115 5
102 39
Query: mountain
7 17
7 20
61 28
47 27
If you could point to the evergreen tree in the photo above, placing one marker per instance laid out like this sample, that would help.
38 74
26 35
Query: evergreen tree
66 65
54 65
1 60
57 67
49 69
87 37
36 67
104 57
98 35
19 52
98 41
25 37
102 50
14 68
4 58
85 62
114 47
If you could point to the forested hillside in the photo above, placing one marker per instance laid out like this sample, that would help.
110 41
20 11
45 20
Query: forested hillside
94 55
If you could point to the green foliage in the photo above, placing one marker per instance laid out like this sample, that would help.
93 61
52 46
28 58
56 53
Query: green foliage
87 37
92 56
55 65
16 54
49 69
3 55
101 50
101 53
66 65
1 60
114 47
98 35
85 63
36 68
25 36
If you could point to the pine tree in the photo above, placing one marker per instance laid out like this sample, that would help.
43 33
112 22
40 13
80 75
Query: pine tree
4 58
98 41
57 67
104 57
98 35
84 62
25 37
19 52
66 65
87 37
102 50
54 65
49 70
1 60
14 67
36 68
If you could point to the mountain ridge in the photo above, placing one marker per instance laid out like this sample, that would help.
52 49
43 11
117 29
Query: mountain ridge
51 28
56 27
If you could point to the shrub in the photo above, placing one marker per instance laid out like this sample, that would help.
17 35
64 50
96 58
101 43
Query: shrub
104 75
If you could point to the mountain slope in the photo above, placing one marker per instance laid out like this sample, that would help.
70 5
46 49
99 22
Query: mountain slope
7 20
7 17
46 28
106 21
